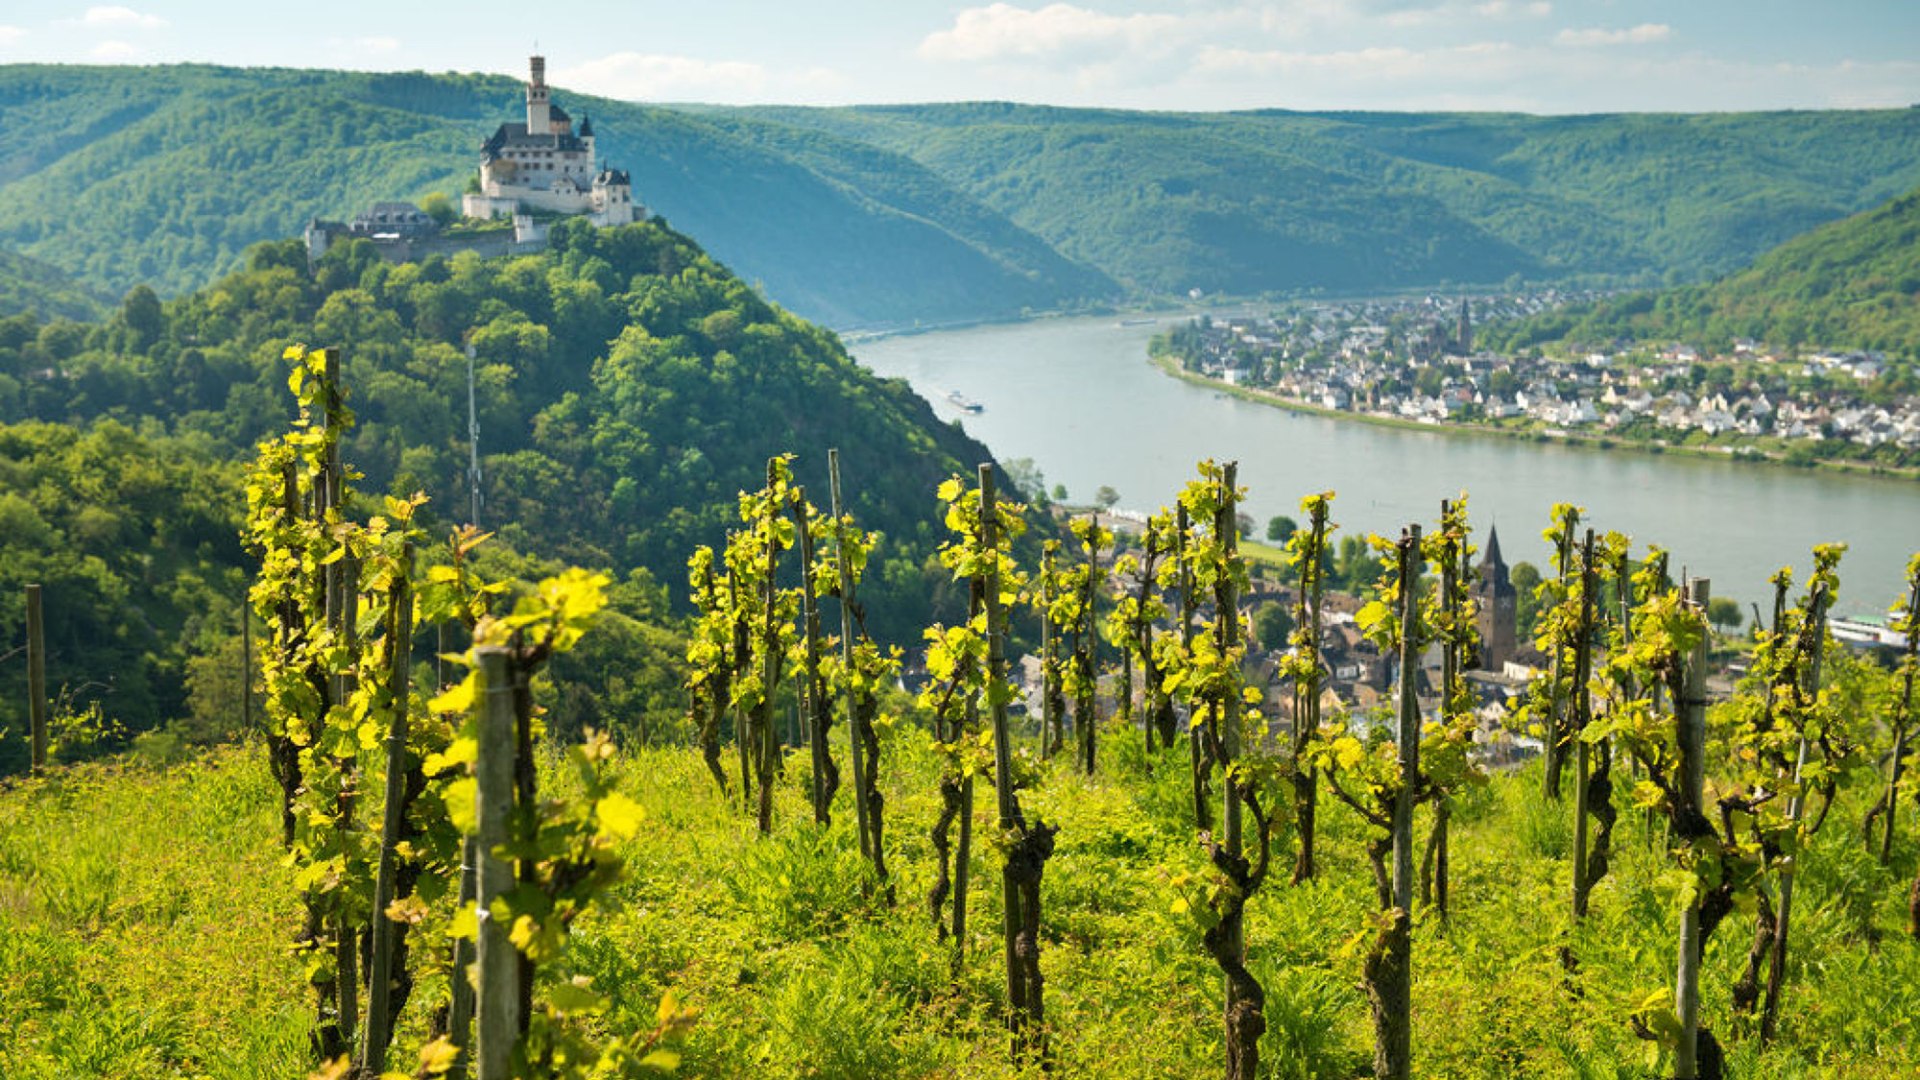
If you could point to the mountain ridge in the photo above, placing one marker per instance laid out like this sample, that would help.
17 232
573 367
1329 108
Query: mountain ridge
897 215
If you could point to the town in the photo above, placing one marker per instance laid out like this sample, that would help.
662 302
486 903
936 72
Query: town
1414 360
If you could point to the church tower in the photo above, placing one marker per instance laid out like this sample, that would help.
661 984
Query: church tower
539 108
1497 608
1464 333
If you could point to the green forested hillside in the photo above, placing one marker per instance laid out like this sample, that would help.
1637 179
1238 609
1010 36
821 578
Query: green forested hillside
29 285
1247 202
1852 284
861 216
165 175
628 389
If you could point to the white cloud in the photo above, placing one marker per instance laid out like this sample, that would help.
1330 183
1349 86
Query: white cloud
1644 34
116 17
11 34
1058 31
1500 9
640 76
113 50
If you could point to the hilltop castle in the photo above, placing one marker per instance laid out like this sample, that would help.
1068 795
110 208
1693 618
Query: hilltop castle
528 172
542 165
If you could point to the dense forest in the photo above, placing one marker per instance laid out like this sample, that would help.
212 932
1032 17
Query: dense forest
1852 284
932 213
626 388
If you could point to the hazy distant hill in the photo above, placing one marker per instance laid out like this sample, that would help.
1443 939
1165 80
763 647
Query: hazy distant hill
1853 283
33 286
165 175
937 212
1246 202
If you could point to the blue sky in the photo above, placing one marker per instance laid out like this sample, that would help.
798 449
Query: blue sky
1549 56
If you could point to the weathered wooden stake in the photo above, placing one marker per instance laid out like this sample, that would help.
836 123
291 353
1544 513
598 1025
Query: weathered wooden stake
499 984
1578 710
377 1032
856 750
1905 717
1392 984
246 665
1816 630
1692 740
37 677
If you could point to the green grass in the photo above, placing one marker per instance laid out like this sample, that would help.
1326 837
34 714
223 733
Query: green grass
144 918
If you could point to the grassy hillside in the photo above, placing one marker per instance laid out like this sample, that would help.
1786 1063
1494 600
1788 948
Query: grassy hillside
860 216
1849 284
144 919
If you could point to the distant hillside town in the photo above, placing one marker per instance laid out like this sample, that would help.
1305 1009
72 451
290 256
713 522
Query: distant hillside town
1415 360
531 173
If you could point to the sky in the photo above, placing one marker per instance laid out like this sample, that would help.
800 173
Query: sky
1539 56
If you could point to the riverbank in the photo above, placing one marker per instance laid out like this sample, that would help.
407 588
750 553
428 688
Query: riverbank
1170 365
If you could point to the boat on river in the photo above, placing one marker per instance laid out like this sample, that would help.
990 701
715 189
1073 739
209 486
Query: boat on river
964 403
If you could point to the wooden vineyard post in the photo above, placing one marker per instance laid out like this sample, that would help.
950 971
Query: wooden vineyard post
246 665
378 1029
37 677
1815 630
1691 714
1907 665
1049 674
1554 752
856 750
1393 1055
1196 744
460 1003
498 999
1307 683
1028 848
1580 706
813 697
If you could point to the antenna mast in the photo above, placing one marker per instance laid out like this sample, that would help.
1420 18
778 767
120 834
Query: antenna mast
473 443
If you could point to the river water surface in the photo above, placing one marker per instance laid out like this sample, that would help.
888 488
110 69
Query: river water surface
1081 399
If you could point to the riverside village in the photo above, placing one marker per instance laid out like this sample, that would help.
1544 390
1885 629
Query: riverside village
1414 360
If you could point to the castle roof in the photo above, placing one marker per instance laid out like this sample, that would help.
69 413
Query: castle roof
1493 568
513 136
586 125
613 177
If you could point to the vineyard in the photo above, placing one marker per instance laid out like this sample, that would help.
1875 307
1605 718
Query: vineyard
872 861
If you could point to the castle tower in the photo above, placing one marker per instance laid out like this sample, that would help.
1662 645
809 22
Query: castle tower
539 115
1497 608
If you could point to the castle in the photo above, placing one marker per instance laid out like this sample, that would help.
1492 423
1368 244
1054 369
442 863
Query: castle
528 172
542 165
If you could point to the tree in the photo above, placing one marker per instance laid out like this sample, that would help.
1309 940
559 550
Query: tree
1106 497
1272 625
1281 528
1724 613
439 207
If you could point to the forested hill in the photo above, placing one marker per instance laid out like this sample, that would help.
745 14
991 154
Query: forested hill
1852 284
872 215
31 285
629 389
164 176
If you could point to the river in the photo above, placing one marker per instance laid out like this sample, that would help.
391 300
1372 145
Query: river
1080 398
